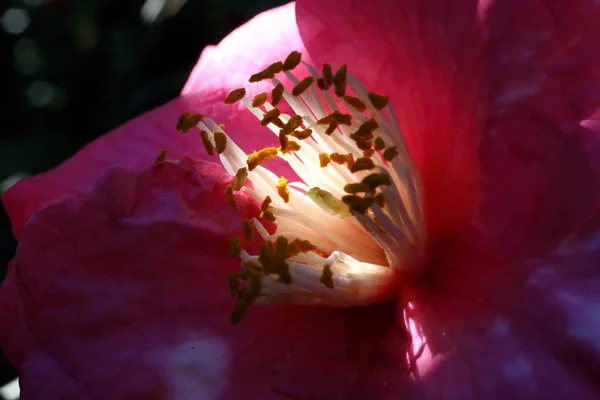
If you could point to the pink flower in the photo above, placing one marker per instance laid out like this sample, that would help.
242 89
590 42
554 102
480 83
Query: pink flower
119 286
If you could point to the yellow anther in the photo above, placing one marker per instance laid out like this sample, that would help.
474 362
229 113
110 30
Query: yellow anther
220 141
293 124
357 203
339 158
282 189
260 99
378 101
324 159
354 188
230 198
390 153
368 153
301 135
327 277
292 61
235 246
222 126
350 161
235 95
270 116
377 179
277 94
283 141
240 178
327 75
258 157
291 146
302 86
268 215
210 149
328 202
339 82
379 144
187 121
265 204
355 102
162 156
248 230
362 164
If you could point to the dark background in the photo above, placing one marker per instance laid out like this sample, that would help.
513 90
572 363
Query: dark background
73 70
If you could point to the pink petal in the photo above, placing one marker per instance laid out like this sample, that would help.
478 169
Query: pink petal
136 144
524 330
486 95
128 285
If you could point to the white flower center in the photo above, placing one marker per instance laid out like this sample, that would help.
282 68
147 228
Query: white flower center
352 223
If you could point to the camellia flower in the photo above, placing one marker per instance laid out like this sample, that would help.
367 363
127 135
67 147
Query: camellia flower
423 223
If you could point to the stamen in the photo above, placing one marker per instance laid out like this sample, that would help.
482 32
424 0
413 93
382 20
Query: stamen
354 217
162 156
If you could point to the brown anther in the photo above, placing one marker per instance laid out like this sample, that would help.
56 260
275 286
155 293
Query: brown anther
278 123
235 95
327 75
300 246
265 204
291 146
266 257
282 268
324 159
363 138
230 198
332 127
235 246
260 99
364 144
275 68
270 116
240 178
327 277
350 161
282 189
293 124
357 203
258 157
379 200
210 149
378 101
390 153
339 82
354 188
248 230
321 84
277 94
367 128
220 141
344 119
162 156
338 158
302 86
301 135
283 140
355 102
326 120
292 61
268 215
368 153
379 144
187 121
377 179
362 164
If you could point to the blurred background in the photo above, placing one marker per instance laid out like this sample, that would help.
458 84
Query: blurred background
72 70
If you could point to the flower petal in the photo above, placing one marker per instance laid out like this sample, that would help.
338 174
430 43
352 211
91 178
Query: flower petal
137 143
128 285
524 330
513 106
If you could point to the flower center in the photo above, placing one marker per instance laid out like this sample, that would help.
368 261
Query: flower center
353 222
